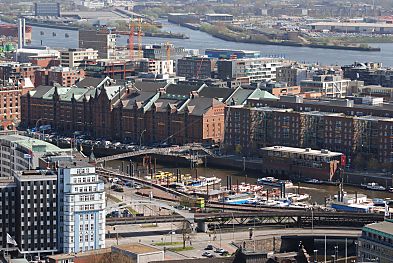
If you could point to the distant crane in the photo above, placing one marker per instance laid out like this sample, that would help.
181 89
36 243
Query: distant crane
136 27
168 46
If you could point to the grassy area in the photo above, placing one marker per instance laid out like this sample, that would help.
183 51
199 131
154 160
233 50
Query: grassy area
167 243
178 249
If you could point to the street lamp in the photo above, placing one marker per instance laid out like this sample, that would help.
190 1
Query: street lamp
140 138
315 256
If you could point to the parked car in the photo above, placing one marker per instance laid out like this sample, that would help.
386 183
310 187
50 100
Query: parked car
209 247
207 254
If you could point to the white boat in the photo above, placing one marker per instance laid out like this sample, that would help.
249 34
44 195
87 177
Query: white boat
374 187
298 197
247 188
204 181
238 199
271 181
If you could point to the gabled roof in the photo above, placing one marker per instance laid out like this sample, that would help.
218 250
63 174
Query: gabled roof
182 90
221 94
149 86
137 97
40 91
199 106
91 82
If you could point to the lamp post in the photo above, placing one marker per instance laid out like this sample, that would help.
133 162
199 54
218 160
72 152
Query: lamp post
315 255
140 138
36 126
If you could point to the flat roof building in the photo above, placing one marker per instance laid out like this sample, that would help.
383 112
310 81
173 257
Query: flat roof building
376 242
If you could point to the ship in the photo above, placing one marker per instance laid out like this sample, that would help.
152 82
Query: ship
208 181
274 182
373 187
10 30
237 199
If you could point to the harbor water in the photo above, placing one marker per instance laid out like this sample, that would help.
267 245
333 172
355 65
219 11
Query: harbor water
57 38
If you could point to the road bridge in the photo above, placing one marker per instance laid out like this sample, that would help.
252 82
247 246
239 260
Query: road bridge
174 150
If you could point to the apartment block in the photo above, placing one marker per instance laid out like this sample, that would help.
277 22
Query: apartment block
63 76
36 207
155 66
195 67
328 85
75 57
81 208
257 69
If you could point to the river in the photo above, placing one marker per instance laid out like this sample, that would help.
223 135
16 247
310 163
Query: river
318 193
200 40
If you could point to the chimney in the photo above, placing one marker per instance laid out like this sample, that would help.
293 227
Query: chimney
21 33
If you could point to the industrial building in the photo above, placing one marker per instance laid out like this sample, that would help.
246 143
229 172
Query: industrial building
349 27
358 137
231 53
47 9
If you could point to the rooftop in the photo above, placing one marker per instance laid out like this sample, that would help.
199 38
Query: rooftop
33 145
384 228
351 24
137 248
306 151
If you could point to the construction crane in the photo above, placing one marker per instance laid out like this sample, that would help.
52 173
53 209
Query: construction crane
136 27
131 40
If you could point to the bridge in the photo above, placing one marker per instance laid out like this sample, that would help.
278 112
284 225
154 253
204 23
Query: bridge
174 150
265 217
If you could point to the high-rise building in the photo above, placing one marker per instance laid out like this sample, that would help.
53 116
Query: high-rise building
102 41
36 211
7 209
81 225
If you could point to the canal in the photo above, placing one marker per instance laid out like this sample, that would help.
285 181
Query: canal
318 193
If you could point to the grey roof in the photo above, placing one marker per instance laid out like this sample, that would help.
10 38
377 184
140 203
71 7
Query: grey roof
149 86
89 82
40 91
385 227
199 106
137 97
239 96
181 89
222 94
162 103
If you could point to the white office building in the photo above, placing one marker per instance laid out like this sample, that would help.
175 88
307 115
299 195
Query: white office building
81 225
257 69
